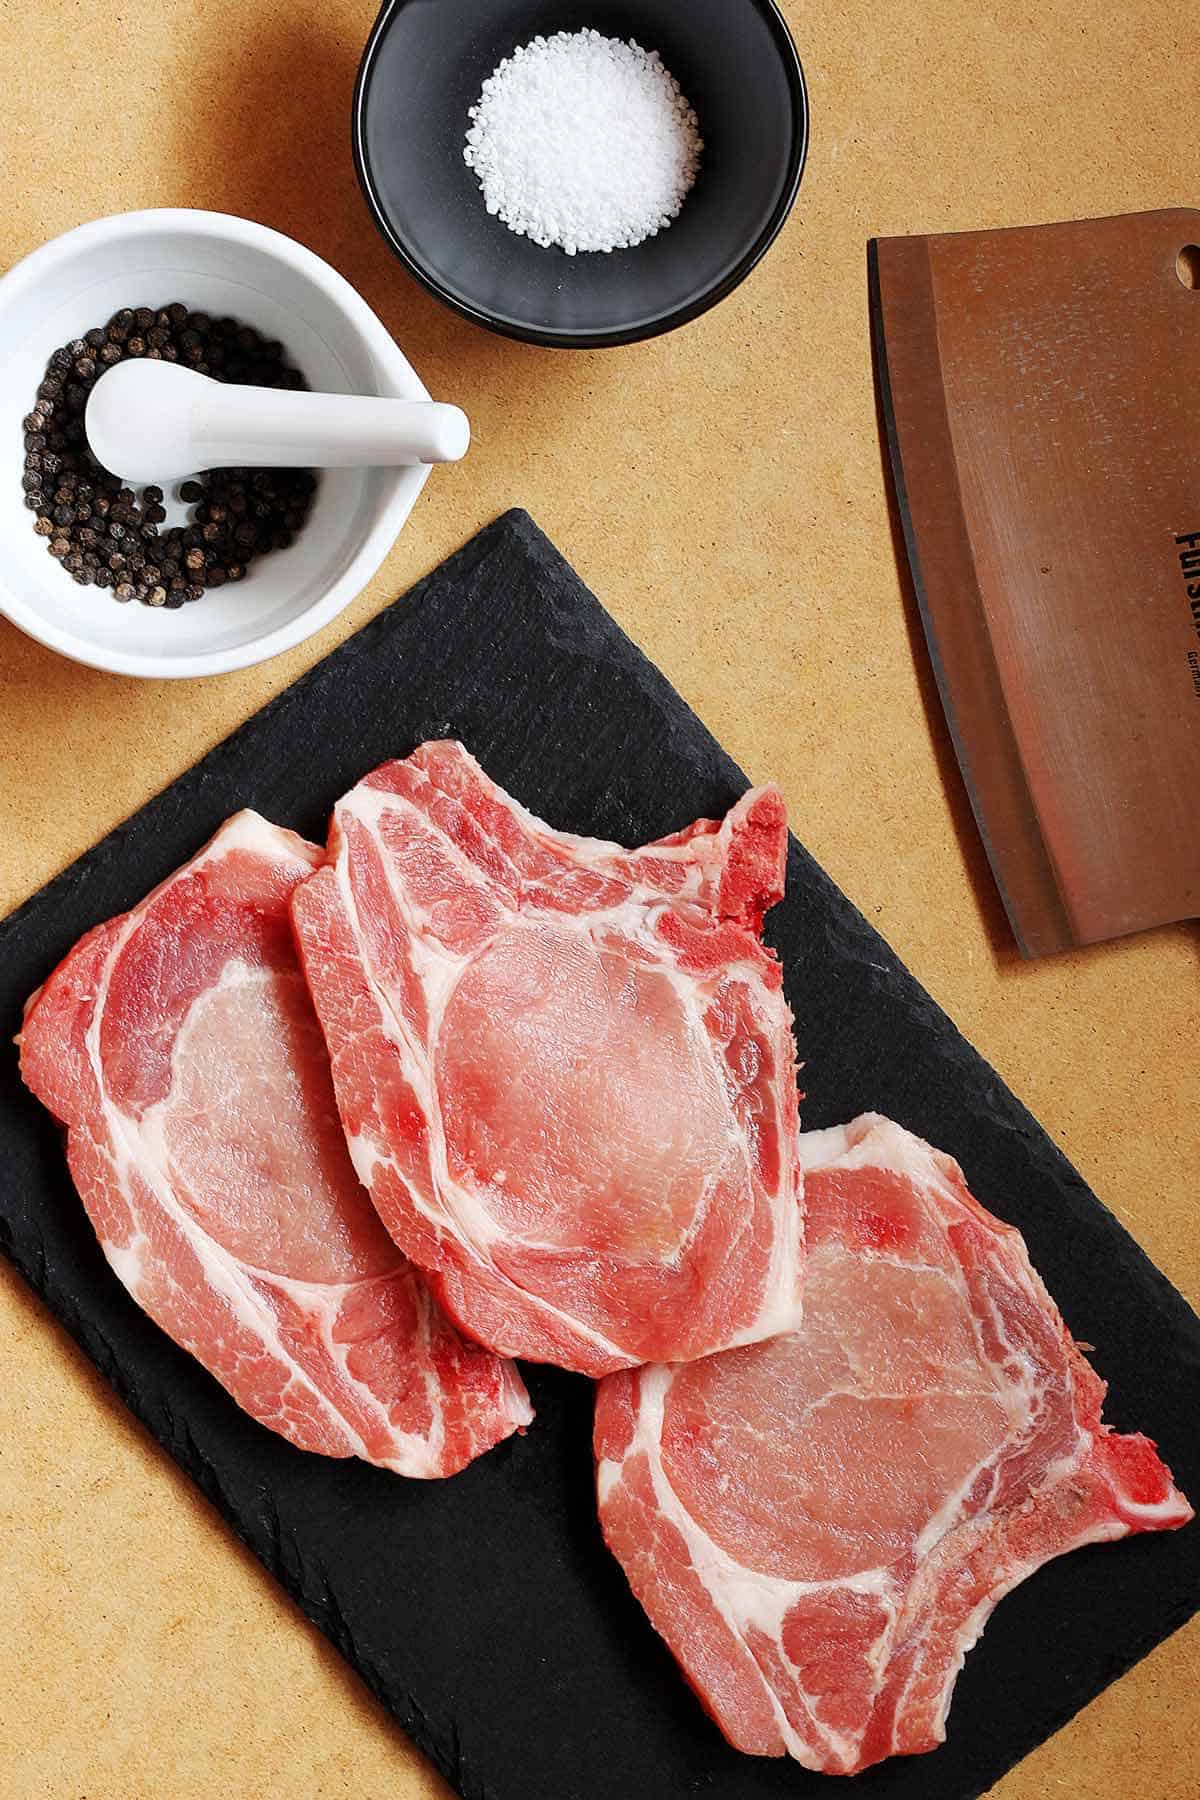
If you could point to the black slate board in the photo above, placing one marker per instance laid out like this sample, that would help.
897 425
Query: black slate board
484 1610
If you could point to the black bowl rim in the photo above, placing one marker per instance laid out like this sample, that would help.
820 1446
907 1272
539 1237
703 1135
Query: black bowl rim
591 340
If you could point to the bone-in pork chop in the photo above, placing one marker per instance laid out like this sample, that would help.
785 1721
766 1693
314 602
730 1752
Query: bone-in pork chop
179 1046
565 1069
820 1526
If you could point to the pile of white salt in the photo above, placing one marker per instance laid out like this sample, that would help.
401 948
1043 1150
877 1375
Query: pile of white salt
583 141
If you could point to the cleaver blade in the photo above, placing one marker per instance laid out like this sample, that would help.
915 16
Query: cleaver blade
1038 390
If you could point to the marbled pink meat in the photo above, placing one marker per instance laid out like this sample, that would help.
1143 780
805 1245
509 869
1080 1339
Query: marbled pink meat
565 1069
179 1046
820 1526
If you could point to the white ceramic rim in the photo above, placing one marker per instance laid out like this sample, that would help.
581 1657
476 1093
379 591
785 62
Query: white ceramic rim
375 546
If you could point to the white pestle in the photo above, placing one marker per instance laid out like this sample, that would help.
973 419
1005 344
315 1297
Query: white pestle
151 421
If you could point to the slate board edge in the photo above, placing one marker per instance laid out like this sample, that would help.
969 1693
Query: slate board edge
358 643
442 1748
187 1456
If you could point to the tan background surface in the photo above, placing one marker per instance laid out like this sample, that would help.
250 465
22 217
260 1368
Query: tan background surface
721 491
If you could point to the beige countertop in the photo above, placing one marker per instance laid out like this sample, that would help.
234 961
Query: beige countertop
721 491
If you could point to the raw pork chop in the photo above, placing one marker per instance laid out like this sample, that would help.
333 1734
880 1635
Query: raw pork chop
179 1046
820 1526
565 1069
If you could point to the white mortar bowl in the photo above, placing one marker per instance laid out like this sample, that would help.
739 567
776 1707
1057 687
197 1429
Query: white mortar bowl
220 265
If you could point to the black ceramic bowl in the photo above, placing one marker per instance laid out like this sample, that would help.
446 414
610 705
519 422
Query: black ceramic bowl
425 64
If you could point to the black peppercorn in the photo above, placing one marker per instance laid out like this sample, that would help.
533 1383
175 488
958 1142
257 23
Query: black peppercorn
109 533
44 527
124 590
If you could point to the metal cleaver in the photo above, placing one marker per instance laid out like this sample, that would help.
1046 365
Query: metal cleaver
1040 391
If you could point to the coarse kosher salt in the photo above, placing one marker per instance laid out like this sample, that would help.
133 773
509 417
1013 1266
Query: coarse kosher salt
583 141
